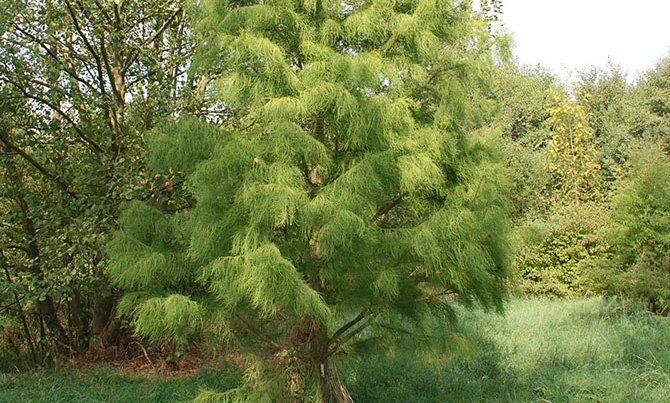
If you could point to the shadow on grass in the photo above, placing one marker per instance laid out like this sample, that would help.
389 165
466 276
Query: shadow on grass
540 351
405 378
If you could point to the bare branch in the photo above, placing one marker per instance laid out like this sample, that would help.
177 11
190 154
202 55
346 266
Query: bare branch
150 39
347 326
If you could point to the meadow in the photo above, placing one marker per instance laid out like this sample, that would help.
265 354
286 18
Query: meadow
540 350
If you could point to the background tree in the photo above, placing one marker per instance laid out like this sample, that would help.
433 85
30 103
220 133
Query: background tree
640 230
572 153
522 95
81 83
350 197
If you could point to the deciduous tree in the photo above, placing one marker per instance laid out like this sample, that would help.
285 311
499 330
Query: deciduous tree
349 200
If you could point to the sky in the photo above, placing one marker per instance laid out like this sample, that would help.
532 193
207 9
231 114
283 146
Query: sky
569 35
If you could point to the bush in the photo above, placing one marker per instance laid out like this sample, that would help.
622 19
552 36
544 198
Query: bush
556 256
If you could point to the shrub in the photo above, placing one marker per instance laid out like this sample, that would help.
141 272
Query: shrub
556 256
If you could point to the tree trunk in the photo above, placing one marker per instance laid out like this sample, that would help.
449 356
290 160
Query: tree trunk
319 347
79 319
46 305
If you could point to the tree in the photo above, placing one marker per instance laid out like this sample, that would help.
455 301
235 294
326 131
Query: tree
572 153
81 82
350 197
640 234
523 98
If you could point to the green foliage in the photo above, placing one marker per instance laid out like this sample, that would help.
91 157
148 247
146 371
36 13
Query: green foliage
556 257
652 94
79 91
523 98
611 108
640 231
352 188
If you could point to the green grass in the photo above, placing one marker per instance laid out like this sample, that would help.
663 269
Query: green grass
107 385
539 351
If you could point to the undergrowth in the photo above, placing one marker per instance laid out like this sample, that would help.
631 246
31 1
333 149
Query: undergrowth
541 350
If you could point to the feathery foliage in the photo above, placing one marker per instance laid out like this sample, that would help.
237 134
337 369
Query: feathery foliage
351 188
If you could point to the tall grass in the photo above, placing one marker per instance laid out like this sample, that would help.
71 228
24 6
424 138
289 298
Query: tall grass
540 351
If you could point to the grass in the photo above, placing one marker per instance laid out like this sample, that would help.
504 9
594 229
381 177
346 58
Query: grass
108 385
539 351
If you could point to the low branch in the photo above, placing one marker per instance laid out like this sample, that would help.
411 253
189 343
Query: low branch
341 342
144 352
258 333
347 326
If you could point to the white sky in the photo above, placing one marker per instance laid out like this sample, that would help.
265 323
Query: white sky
568 35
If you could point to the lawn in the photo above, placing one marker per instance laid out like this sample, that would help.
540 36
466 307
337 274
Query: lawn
540 351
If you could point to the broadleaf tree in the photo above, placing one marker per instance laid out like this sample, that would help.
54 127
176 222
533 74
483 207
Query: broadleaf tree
348 198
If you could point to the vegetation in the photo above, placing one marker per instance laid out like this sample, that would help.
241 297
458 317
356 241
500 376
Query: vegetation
308 184
556 350
351 190
81 83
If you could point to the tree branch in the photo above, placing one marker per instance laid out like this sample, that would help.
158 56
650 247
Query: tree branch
389 206
94 145
77 27
54 56
37 165
258 333
150 39
347 326
341 342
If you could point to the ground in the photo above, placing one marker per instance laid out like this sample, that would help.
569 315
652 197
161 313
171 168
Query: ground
541 350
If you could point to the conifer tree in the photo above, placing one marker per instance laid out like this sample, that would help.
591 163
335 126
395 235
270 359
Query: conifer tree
349 198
